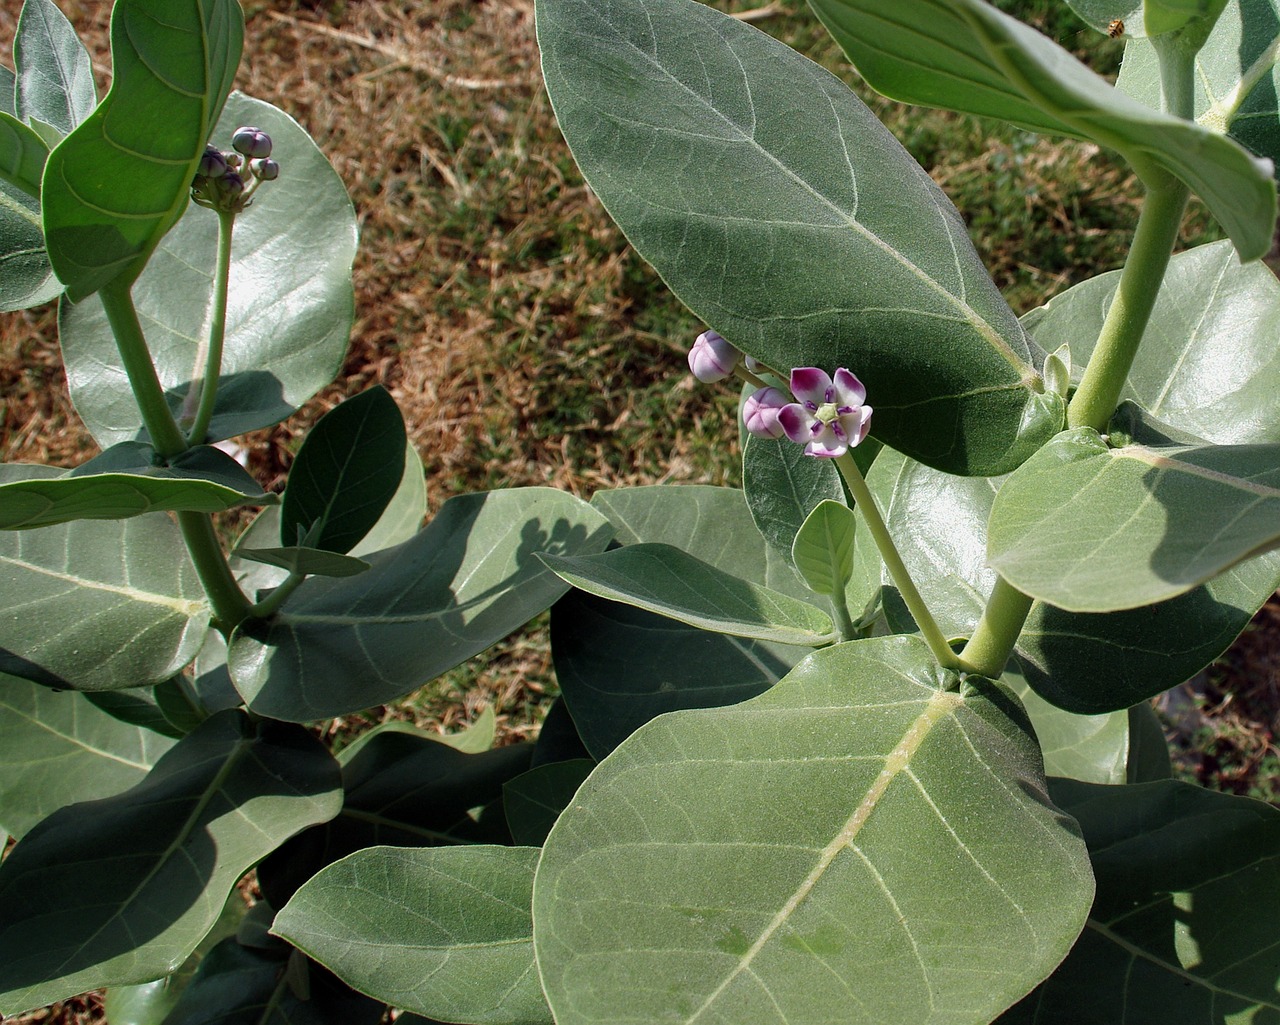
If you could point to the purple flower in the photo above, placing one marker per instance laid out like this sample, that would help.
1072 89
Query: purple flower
829 417
712 358
760 412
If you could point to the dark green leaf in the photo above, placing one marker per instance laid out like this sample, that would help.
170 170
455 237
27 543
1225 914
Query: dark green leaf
134 707
861 844
26 279
55 75
783 486
444 931
307 561
403 515
121 179
1149 757
22 155
466 581
215 804
534 800
783 214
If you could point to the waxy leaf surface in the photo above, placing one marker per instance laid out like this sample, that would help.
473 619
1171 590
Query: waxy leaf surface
1182 931
966 55
783 486
22 157
534 800
289 307
121 179
97 604
55 75
214 805
1094 529
445 931
466 581
859 844
59 749
787 217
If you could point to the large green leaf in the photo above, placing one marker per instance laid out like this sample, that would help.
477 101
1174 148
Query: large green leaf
1085 662
98 604
216 803
443 931
1094 748
59 749
1091 528
966 55
288 318
663 579
1183 929
1208 360
121 179
55 75
1236 75
785 215
466 581
125 481
26 279
860 844
534 800
783 486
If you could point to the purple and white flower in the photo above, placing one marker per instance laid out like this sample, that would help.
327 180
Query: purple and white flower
829 417
760 412
712 358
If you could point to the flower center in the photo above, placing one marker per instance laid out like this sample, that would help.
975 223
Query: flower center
828 412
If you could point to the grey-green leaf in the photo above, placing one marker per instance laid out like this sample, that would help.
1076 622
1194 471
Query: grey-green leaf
534 800
966 55
445 931
467 580
216 803
59 749
1090 528
860 844
22 155
26 278
783 486
304 560
783 214
823 549
55 75
663 579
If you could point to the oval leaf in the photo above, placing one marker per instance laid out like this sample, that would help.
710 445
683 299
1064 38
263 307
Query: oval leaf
783 486
55 75
783 213
823 550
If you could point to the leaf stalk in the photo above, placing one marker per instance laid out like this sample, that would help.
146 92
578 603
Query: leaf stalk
204 387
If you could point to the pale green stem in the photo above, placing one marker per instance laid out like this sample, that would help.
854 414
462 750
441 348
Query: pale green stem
929 630
844 622
230 606
204 389
997 631
743 374
272 602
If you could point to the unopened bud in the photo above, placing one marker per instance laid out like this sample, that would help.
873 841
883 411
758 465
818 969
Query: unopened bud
712 358
213 164
265 169
252 142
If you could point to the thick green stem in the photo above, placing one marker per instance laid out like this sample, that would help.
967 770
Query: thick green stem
166 438
929 630
204 388
997 631
230 606
269 605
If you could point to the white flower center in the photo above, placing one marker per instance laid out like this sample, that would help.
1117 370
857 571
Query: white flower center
828 413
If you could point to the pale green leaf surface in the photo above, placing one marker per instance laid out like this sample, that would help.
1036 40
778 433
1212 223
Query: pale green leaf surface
966 55
534 800
823 550
403 515
299 559
1093 748
289 310
666 580
98 604
59 749
121 179
1183 929
786 216
783 486
55 74
477 737
443 931
22 155
8 81
1095 529
856 845
26 279
463 583
215 804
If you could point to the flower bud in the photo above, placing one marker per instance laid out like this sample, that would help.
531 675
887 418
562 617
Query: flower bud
213 164
760 412
252 142
231 184
712 358
265 168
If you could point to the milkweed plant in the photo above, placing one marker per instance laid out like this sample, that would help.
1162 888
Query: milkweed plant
867 741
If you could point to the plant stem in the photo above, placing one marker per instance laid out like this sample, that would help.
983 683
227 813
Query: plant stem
269 605
230 606
844 622
204 389
166 438
929 630
997 631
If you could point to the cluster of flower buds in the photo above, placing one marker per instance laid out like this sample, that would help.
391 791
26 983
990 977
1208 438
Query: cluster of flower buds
826 415
227 181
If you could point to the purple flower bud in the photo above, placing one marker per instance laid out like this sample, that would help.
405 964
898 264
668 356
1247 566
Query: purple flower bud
234 160
829 418
231 184
265 168
760 412
213 164
252 142
712 358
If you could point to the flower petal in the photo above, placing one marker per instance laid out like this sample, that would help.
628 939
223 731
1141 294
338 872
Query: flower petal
810 384
850 391
795 422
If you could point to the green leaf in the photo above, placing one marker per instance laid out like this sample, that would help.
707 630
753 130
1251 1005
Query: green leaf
446 932
121 179
1149 757
1186 17
783 213
345 474
136 708
59 749
99 605
216 803
288 321
854 845
466 581
663 579
823 551
783 486
26 279
22 155
55 74
966 55
124 482
1182 931
403 515
305 560
534 800
1208 360
476 738
1093 529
